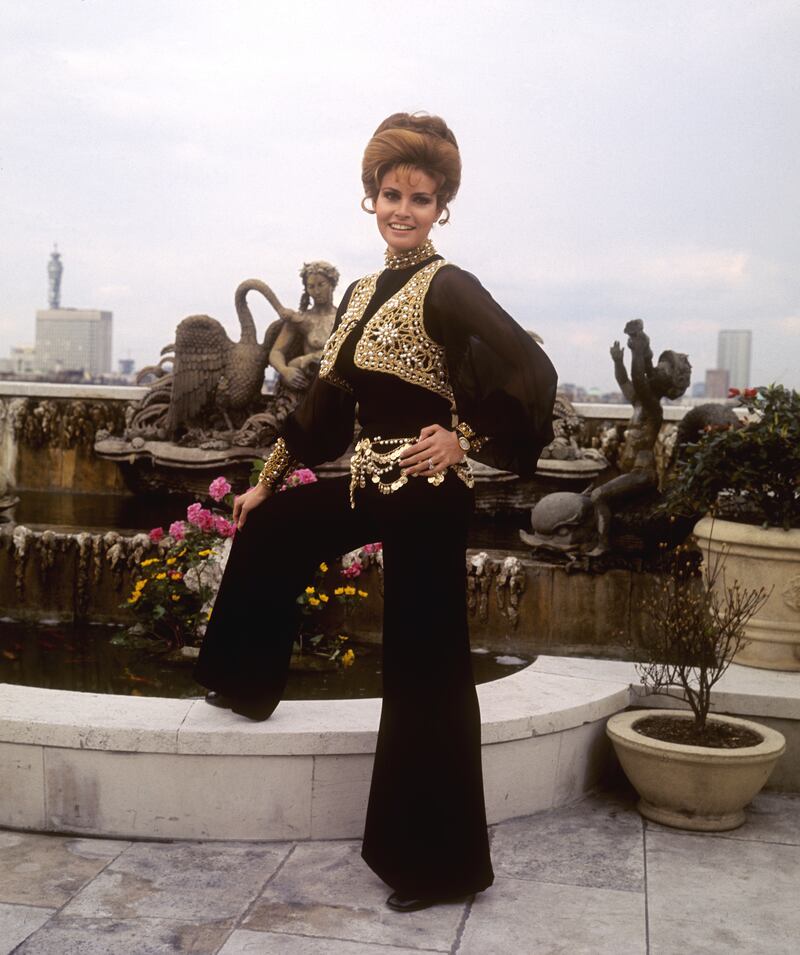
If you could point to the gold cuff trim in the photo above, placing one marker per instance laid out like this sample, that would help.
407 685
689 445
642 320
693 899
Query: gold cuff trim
277 465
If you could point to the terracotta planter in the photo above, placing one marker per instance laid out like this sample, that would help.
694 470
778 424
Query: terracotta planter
768 558
693 787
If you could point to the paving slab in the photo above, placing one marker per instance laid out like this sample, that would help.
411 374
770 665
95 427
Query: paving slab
770 817
37 869
326 890
708 895
191 881
66 935
514 917
243 942
17 922
596 842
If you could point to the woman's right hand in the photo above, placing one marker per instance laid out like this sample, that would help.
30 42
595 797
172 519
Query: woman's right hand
244 503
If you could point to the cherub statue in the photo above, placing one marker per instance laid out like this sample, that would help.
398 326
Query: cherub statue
646 387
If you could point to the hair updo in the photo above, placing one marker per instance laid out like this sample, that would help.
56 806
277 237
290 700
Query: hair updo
406 141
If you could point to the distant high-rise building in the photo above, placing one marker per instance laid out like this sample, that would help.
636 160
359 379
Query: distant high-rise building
733 355
717 383
699 389
71 339
126 366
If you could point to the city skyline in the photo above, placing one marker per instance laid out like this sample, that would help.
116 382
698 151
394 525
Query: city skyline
620 161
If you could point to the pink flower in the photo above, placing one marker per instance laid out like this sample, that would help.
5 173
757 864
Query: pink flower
218 488
300 476
223 527
352 570
372 548
177 530
156 534
201 518
733 392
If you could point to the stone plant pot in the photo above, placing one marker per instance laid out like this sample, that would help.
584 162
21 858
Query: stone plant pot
761 557
693 787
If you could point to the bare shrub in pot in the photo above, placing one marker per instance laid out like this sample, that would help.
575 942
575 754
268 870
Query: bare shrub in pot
697 621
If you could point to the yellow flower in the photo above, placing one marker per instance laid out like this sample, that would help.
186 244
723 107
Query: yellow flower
348 657
323 567
181 553
313 601
203 553
171 560
208 615
342 636
175 597
134 596
140 584
309 590
161 576
324 598
150 560
338 592
350 591
363 593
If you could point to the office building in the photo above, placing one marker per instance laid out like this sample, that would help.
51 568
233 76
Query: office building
73 339
716 383
733 355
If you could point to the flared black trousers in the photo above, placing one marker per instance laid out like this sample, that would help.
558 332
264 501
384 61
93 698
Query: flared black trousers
425 830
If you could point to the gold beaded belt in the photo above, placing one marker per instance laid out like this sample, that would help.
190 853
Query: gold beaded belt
383 467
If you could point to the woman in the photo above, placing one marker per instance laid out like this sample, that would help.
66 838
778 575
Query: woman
418 346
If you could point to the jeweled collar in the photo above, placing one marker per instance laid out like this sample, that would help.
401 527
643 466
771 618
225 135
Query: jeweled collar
403 260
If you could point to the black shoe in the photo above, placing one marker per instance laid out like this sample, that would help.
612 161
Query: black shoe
407 903
218 699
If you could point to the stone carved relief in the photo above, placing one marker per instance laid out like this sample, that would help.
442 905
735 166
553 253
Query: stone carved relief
509 579
791 594
62 423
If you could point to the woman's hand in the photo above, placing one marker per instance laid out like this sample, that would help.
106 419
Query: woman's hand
437 446
244 503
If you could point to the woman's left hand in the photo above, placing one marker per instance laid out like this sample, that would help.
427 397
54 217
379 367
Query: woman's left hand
437 446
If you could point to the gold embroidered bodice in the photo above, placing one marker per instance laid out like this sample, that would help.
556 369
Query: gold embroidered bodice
394 339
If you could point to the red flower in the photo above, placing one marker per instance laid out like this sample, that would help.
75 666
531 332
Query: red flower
750 392
156 534
733 392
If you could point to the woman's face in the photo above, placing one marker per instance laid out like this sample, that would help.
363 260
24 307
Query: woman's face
406 207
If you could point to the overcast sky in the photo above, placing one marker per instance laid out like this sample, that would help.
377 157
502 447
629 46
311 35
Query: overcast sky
621 160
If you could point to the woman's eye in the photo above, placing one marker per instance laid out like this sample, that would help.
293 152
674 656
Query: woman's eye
423 200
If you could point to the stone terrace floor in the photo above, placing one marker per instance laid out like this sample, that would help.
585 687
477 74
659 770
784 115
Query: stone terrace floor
590 878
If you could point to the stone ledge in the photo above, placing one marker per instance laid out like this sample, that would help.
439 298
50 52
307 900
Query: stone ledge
526 703
742 691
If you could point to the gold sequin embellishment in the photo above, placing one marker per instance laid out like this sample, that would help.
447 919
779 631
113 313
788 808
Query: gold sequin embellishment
394 340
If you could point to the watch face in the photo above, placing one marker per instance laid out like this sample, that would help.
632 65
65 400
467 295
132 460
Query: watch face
463 443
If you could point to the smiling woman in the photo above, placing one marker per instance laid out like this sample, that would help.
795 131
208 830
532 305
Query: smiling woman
436 368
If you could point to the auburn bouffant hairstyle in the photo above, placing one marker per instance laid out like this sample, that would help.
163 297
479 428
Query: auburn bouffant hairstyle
406 141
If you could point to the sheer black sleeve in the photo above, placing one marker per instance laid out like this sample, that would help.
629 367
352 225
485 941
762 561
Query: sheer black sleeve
503 382
321 427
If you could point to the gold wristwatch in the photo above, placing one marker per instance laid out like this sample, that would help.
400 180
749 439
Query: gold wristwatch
467 439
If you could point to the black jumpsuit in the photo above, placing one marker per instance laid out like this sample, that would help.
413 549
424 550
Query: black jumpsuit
425 829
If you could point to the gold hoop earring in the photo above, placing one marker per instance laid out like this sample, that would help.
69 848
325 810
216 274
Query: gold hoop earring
370 211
